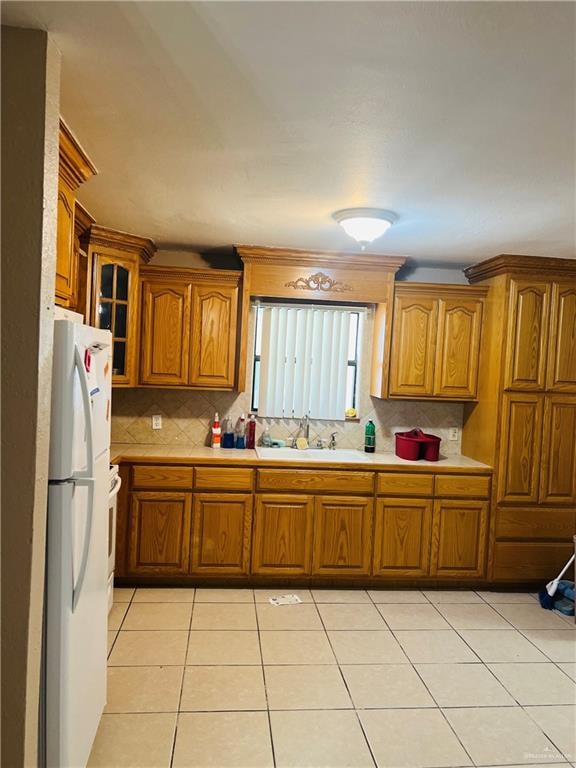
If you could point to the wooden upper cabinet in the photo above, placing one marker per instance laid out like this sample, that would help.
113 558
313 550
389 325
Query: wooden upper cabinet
459 536
561 375
459 326
436 341
165 322
402 537
558 474
213 335
413 343
282 535
528 325
342 535
115 258
520 448
189 327
74 169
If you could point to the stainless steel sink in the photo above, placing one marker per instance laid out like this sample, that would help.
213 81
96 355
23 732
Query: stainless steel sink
344 455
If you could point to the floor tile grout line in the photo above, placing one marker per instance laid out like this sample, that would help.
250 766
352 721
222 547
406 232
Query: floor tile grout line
272 747
544 732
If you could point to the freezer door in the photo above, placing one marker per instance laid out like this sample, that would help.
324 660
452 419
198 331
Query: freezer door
76 616
81 391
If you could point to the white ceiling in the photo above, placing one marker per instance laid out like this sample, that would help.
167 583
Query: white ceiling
251 122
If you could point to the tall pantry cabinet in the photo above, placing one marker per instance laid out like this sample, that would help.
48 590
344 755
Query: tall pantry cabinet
525 421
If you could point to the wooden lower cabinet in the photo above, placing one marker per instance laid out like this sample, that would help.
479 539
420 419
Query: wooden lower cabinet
402 537
459 534
282 535
342 535
221 533
159 533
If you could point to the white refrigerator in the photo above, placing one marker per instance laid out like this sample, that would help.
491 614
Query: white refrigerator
77 543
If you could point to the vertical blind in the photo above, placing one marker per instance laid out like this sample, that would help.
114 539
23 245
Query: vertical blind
303 362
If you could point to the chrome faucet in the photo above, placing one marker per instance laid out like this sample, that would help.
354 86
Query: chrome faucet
304 427
332 443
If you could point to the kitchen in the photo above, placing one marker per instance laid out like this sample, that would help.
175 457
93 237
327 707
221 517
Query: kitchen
484 357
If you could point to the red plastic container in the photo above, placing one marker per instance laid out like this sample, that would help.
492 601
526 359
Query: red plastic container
416 445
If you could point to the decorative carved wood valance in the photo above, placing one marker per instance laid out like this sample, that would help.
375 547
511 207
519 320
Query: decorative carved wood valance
286 273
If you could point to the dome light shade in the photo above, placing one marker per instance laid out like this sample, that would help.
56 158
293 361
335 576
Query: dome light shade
364 224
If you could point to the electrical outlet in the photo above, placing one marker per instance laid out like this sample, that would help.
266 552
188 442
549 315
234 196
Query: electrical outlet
454 433
157 421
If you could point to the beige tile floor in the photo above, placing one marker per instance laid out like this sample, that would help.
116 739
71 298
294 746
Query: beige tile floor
216 678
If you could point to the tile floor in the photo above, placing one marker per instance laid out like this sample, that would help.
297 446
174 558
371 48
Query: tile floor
348 678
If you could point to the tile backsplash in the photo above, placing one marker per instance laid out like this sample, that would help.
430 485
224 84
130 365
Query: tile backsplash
187 418
187 415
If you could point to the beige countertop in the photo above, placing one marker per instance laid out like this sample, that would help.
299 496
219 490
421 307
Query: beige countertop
204 455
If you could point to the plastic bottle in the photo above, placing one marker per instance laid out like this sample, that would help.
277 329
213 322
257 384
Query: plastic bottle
228 434
240 441
251 432
370 437
216 432
266 439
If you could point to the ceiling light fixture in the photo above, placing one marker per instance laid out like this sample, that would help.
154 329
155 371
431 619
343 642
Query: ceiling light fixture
365 224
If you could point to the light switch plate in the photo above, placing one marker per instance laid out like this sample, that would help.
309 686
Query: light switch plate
453 433
157 421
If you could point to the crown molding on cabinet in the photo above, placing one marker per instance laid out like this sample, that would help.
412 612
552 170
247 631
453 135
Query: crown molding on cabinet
75 166
123 241
507 263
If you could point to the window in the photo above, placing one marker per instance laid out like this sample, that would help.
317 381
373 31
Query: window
306 360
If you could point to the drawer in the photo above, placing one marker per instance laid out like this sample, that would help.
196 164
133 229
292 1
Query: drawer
403 484
529 562
540 523
462 486
315 480
147 476
223 479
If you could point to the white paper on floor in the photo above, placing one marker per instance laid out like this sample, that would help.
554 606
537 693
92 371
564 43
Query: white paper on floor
284 600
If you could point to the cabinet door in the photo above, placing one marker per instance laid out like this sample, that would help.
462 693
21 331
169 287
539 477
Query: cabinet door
165 335
558 475
402 537
520 447
561 375
458 350
65 261
528 324
459 531
342 535
115 308
282 535
213 346
159 533
221 533
413 346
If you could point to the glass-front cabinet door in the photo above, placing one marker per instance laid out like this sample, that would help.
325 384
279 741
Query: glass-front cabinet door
116 296
115 258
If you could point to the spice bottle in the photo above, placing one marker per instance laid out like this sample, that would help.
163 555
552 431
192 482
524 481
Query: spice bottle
240 441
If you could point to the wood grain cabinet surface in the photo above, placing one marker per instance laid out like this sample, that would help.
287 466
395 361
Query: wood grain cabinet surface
74 169
459 535
221 533
402 532
436 334
282 535
561 373
342 535
165 341
159 533
189 329
529 318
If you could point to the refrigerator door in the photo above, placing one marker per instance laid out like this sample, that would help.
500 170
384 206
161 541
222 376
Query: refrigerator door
81 390
76 616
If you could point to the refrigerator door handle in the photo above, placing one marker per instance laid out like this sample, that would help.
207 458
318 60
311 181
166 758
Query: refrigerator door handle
77 587
79 366
115 488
